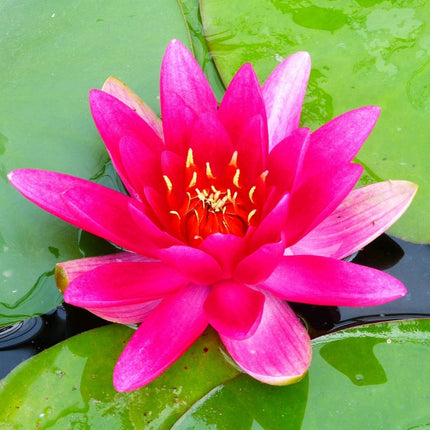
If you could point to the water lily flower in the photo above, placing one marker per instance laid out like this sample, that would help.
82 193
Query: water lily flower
232 210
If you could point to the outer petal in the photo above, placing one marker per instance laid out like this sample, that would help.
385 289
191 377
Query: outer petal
361 217
153 348
185 94
120 292
119 90
283 94
114 121
241 102
196 265
67 271
92 207
339 140
316 198
233 309
279 352
330 282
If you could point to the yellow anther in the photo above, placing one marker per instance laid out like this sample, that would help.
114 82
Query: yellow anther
193 180
190 158
176 214
264 175
233 161
251 193
209 173
168 183
236 178
251 214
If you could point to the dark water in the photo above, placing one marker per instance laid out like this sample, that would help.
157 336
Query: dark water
406 261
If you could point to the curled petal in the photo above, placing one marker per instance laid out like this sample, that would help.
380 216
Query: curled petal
233 309
185 94
326 281
196 265
283 94
360 218
153 348
279 352
259 265
227 249
119 90
67 271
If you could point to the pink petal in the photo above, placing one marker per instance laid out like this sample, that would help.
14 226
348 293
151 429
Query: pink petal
105 213
279 352
185 94
364 214
119 291
119 90
242 101
283 94
233 309
227 249
317 197
252 150
338 141
285 160
141 164
67 271
330 282
55 193
260 264
270 228
211 143
198 266
115 120
162 338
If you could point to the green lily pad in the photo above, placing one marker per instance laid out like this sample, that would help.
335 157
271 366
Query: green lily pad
364 52
52 53
370 377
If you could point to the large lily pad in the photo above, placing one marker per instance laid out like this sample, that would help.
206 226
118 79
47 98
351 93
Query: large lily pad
370 377
363 52
52 53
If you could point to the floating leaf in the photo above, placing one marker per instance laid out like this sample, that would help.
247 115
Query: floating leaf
363 53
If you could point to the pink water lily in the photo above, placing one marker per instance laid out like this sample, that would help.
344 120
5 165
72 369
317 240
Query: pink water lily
232 211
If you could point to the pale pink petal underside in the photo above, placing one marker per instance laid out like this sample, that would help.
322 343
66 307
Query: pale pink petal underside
279 352
283 94
326 281
162 338
364 214
119 90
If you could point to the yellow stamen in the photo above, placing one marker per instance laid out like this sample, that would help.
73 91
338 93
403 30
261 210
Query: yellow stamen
233 161
168 183
251 194
236 178
193 180
209 173
190 158
175 213
251 214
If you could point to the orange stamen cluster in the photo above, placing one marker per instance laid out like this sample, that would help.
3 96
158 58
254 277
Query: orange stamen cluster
210 204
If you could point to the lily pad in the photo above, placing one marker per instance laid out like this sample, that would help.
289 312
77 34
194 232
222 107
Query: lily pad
364 52
356 377
52 53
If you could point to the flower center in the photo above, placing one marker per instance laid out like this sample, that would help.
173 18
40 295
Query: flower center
211 205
